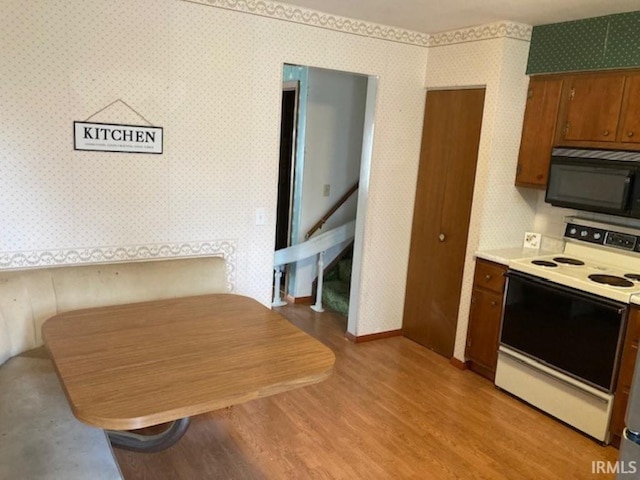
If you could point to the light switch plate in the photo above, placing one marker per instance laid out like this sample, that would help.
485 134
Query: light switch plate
532 240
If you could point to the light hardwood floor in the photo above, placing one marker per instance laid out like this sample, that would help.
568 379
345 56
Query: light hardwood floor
391 410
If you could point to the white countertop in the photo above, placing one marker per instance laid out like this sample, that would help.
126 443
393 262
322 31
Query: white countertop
504 255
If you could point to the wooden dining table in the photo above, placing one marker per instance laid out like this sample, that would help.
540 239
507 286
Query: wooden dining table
127 367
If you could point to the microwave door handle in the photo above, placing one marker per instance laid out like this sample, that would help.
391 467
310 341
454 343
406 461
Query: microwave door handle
628 184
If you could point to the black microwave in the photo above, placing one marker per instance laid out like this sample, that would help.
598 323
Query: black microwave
602 181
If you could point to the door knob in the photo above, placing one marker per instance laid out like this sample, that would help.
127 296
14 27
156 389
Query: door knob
441 237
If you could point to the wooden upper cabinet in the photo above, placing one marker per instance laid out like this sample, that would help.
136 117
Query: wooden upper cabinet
538 130
582 110
593 108
629 130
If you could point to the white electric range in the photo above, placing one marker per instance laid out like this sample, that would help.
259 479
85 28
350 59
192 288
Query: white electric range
563 324
594 269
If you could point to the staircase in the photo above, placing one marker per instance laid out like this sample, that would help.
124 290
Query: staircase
335 293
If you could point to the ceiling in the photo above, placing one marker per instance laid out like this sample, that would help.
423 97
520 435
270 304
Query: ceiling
431 16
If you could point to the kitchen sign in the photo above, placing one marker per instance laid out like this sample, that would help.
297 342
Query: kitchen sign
111 137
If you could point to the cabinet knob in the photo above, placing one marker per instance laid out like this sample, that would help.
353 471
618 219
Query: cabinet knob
487 277
539 176
441 237
606 133
493 303
629 134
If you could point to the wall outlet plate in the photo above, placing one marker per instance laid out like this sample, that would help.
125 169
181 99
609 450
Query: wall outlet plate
532 240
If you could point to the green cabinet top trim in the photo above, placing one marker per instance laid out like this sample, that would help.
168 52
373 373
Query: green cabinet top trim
599 43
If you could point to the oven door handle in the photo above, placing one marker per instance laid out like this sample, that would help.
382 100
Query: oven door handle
543 282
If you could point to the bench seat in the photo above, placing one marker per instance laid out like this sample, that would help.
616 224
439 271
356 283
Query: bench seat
39 436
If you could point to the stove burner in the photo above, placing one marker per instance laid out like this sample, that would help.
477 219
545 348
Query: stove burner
544 263
633 276
568 261
610 280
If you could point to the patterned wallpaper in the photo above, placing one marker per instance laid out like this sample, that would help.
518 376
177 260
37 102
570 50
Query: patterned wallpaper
210 73
591 44
498 64
212 78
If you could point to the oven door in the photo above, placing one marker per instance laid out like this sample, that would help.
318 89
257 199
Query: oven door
568 330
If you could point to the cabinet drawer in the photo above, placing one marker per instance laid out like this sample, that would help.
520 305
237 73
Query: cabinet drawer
489 275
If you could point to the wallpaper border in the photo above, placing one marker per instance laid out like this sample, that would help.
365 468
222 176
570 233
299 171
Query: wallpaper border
518 31
82 256
295 14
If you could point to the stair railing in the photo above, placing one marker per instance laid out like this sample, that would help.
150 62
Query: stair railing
315 246
331 211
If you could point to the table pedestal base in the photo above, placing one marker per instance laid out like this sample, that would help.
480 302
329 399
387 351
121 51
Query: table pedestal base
149 443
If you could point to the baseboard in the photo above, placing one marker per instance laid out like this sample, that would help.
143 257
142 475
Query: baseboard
300 300
459 363
373 336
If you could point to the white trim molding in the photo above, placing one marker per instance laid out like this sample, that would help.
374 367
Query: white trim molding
518 31
79 256
292 13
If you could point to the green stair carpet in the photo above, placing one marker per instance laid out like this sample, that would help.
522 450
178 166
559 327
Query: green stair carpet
335 289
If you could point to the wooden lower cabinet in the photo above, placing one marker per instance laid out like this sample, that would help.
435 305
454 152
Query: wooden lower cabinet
484 318
625 375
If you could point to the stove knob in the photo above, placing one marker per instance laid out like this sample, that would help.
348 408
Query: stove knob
597 236
573 231
584 233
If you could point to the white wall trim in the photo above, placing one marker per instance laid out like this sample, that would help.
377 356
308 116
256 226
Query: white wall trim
79 256
518 31
313 18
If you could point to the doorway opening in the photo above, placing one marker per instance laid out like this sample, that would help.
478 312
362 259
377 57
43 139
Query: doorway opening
326 146
286 167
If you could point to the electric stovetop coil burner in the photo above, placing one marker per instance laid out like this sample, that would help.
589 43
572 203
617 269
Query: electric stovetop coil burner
568 261
612 280
544 263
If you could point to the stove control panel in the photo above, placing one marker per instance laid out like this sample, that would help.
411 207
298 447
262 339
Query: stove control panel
621 240
586 234
600 236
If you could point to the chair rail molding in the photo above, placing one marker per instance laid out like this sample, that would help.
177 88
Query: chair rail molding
79 256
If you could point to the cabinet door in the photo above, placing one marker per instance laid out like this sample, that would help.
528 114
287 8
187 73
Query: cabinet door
538 131
593 108
625 375
629 130
484 330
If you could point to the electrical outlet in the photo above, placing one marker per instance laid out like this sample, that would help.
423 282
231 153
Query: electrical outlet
532 240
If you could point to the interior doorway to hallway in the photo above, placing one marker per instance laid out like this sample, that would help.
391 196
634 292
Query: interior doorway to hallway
286 167
326 145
